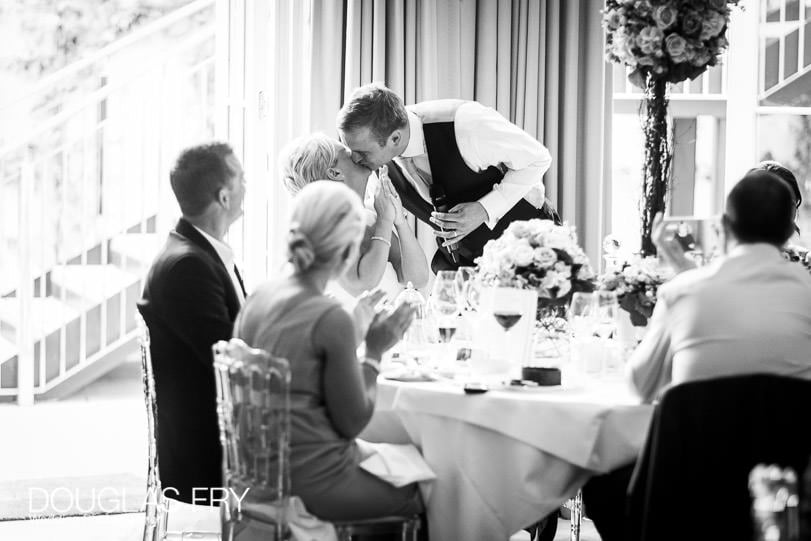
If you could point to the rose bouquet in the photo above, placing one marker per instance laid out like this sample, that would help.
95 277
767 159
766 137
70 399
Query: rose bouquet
636 281
798 254
669 39
537 254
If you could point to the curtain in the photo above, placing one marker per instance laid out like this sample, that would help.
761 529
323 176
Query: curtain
538 62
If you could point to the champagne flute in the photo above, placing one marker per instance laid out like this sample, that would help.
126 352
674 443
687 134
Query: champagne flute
445 304
464 275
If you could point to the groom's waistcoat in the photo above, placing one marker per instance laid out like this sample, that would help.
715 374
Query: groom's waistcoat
460 184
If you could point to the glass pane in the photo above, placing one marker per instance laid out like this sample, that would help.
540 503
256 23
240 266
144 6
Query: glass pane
772 11
771 61
708 141
626 175
714 74
787 139
791 53
807 39
697 84
793 10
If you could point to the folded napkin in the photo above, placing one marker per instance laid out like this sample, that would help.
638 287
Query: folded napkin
399 465
303 525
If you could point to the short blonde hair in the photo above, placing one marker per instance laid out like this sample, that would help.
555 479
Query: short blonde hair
327 218
307 159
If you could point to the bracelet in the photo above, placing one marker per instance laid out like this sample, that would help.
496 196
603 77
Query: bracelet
372 363
381 239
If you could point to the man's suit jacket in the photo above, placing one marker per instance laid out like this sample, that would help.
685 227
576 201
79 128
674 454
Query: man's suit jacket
189 303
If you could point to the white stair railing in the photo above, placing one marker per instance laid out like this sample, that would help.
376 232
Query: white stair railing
84 183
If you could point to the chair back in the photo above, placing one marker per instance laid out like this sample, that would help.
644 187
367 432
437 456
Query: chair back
153 487
253 406
691 480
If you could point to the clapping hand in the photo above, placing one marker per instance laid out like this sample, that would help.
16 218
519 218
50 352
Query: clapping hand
365 311
387 329
459 222
668 247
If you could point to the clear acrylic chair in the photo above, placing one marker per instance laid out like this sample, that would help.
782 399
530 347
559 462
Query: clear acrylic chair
156 511
253 397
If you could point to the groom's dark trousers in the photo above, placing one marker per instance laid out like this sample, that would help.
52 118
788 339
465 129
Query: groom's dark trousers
189 303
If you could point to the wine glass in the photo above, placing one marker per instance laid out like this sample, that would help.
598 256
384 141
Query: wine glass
445 303
464 276
507 318
581 312
606 310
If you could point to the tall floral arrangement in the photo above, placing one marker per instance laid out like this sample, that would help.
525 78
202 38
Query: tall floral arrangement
662 41
537 254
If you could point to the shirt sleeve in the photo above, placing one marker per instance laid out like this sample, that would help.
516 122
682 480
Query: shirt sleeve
485 138
650 367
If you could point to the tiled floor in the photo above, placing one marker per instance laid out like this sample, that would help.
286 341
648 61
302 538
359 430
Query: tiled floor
50 440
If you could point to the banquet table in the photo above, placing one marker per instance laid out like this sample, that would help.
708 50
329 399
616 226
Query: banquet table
507 458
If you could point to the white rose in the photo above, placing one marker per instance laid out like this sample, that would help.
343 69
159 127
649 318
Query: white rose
558 238
545 257
552 279
563 288
523 254
563 268
518 228
585 273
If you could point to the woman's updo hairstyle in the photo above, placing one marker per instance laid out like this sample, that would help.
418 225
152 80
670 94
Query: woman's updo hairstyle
326 221
307 159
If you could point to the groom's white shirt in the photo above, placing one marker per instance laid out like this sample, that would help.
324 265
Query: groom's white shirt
226 254
485 138
746 313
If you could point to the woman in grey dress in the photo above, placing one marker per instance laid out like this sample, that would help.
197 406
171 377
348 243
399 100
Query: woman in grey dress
332 394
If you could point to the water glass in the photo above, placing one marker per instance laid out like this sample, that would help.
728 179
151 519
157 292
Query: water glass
581 312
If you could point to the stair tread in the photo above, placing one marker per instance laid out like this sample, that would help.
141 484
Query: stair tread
47 314
141 247
93 282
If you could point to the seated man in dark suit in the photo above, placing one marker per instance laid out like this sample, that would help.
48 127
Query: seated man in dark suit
191 298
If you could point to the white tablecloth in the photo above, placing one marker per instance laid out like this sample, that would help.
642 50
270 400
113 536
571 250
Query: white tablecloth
505 459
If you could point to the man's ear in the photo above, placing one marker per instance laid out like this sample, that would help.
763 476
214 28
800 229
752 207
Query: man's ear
223 197
395 137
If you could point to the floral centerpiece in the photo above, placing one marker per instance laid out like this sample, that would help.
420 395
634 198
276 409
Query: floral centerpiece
537 254
798 254
636 281
662 41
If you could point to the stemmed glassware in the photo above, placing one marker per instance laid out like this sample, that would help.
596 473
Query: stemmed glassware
606 310
445 304
464 278
581 310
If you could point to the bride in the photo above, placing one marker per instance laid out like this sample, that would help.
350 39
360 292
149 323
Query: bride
390 255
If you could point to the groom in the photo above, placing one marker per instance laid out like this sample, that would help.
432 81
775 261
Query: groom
458 166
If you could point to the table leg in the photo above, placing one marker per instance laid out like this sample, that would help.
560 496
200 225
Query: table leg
576 507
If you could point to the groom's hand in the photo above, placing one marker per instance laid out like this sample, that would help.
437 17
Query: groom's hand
459 222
